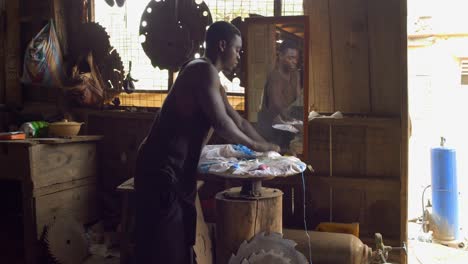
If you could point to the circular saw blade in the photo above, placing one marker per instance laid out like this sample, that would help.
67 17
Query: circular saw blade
268 257
273 242
170 41
66 241
105 56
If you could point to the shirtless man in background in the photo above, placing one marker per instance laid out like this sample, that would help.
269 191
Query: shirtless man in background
282 89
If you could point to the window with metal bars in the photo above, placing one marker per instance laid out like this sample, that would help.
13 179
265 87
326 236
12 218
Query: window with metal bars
122 25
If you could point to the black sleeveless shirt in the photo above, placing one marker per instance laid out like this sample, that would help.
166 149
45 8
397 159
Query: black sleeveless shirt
168 158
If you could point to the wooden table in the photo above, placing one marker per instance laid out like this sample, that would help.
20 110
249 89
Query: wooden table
57 177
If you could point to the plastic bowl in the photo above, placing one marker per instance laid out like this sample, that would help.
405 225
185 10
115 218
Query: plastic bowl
64 128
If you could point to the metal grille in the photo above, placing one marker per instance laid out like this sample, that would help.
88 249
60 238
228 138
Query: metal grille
292 8
227 10
122 24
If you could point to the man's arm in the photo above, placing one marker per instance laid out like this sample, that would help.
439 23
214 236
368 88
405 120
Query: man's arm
276 101
241 122
297 85
211 102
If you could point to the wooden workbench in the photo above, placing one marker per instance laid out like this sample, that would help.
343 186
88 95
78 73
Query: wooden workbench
56 177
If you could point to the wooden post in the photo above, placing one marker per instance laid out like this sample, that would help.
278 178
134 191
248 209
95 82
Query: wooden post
277 7
404 127
238 220
58 11
170 80
2 50
12 53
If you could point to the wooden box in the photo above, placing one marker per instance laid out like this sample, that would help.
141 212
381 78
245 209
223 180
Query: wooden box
56 177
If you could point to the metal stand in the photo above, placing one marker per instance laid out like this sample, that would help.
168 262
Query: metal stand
251 188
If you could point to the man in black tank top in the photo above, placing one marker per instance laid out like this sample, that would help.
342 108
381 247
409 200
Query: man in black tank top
165 178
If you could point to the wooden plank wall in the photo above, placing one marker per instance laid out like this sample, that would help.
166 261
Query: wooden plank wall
320 76
385 52
355 55
357 174
350 59
358 67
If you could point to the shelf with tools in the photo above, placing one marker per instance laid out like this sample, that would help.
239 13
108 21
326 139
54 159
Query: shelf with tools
368 121
358 183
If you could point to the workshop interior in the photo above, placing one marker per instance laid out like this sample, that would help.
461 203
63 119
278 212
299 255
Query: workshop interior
361 103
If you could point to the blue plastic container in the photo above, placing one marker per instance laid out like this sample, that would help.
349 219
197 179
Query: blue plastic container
444 194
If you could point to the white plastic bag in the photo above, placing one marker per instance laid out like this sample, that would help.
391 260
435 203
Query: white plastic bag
43 63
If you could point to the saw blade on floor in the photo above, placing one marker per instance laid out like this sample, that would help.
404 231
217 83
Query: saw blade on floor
263 247
66 241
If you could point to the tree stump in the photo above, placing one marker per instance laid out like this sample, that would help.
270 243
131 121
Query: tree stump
239 218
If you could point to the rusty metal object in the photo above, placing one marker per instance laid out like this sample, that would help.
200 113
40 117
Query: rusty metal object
330 248
380 255
173 32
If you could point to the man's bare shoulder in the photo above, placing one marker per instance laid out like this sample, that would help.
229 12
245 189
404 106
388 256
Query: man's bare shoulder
200 73
200 67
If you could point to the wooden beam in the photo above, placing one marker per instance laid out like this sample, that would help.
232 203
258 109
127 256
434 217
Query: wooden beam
403 83
321 91
292 29
382 122
277 7
12 53
58 11
91 11
2 50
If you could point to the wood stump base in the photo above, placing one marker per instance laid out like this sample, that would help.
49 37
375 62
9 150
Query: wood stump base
240 219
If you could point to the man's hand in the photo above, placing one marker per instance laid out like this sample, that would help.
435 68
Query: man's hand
265 146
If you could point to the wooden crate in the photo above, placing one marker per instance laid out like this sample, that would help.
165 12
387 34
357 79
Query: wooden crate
57 177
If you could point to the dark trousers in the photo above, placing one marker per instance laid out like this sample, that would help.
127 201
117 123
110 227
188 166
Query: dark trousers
160 233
